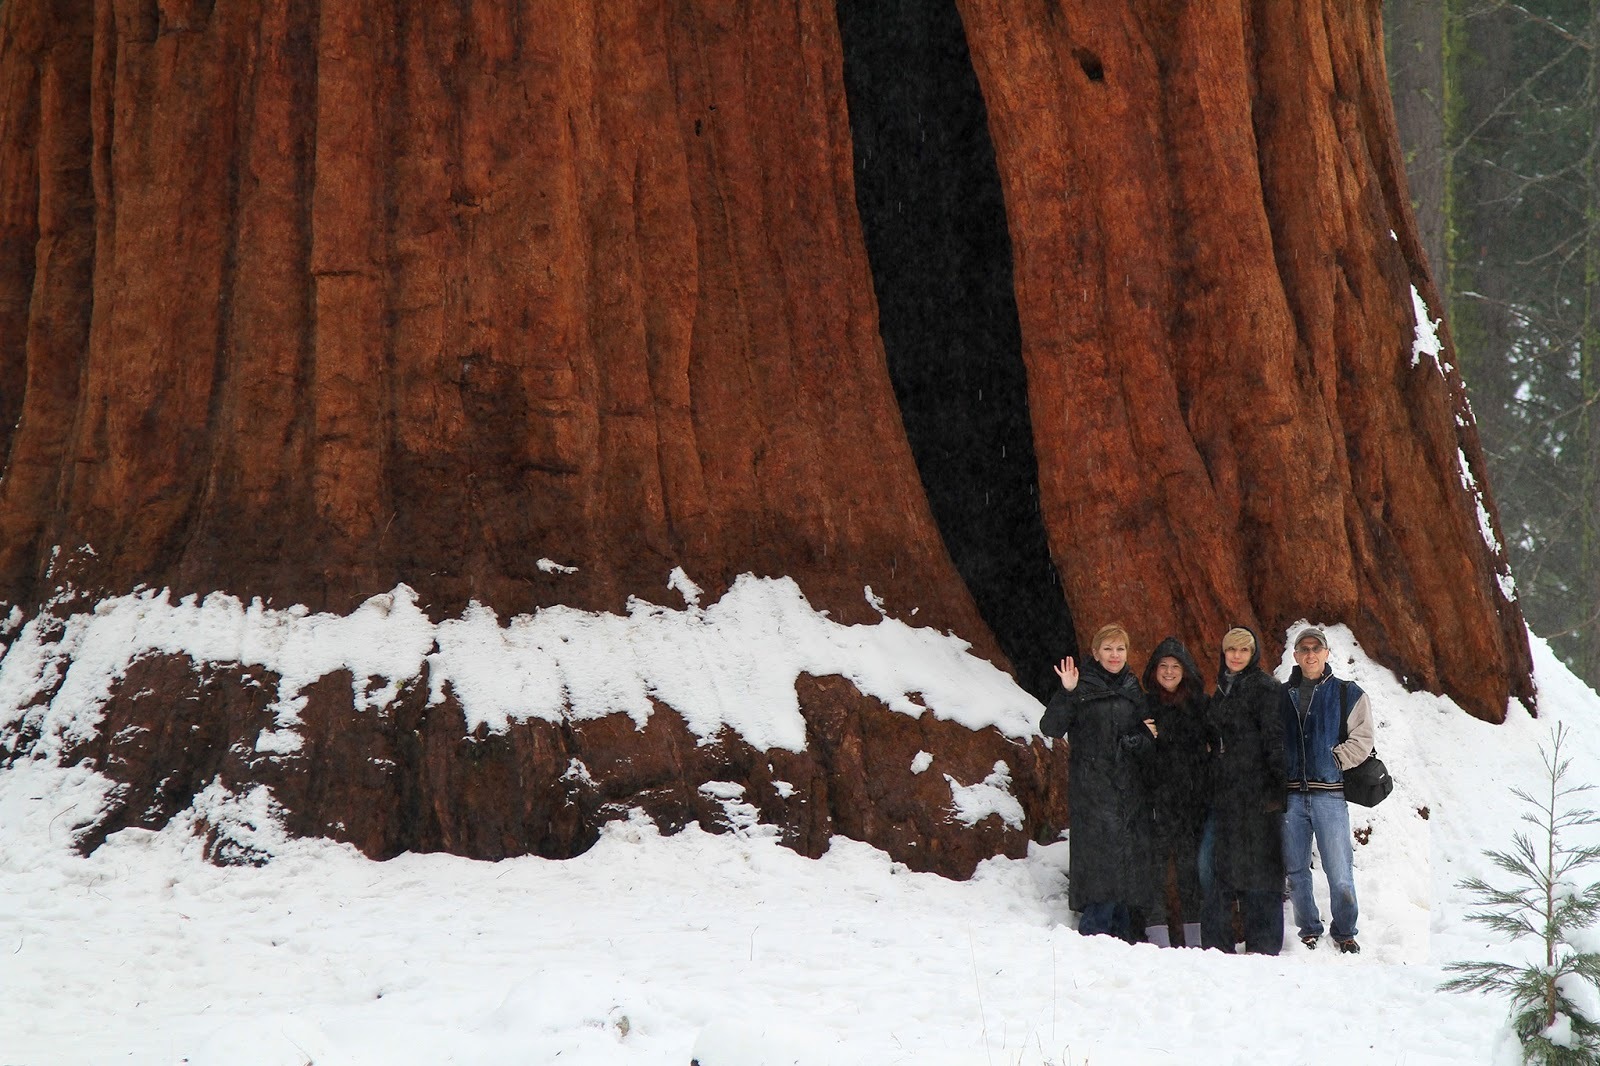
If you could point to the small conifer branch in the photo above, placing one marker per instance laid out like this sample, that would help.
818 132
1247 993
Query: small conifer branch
1543 901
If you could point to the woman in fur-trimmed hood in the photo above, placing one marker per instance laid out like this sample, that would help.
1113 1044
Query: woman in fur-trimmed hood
1179 787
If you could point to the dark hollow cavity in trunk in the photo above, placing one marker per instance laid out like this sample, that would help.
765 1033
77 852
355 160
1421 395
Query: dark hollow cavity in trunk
928 193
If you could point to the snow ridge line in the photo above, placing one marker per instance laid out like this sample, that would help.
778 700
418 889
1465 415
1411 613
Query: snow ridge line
733 663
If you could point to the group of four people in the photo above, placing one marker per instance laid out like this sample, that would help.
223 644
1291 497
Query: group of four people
1185 804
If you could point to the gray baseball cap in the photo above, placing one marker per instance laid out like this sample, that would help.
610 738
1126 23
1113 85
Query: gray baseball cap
1311 633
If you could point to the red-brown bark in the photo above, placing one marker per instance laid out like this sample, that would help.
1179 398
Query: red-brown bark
305 300
425 294
414 778
1218 329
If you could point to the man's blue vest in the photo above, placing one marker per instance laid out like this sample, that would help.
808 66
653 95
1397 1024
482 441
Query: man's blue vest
1309 751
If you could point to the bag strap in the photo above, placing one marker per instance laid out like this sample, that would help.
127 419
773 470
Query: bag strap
1344 722
1344 704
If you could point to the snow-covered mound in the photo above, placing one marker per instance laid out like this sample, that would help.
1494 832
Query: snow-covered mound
733 949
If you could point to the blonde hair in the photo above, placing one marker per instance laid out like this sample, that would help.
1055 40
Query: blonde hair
1107 632
1238 637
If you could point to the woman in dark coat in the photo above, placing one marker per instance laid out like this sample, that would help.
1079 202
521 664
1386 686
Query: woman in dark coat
1100 710
1179 788
1247 801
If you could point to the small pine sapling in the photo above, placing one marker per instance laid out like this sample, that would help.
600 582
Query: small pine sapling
1553 1001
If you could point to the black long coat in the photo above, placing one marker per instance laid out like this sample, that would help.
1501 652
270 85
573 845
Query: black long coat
1247 793
1111 857
1180 777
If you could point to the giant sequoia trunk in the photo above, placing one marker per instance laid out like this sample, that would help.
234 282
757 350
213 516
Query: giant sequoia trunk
304 301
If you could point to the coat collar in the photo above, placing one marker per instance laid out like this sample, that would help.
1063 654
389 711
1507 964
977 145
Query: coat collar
1101 682
1295 676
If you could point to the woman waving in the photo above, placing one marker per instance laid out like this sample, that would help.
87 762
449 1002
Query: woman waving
1100 710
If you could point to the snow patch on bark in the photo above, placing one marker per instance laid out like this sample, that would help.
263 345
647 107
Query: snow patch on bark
58 673
991 796
1502 576
679 582
1426 342
733 664
245 830
741 817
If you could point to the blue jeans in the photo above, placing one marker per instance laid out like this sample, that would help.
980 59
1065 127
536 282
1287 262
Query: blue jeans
1322 815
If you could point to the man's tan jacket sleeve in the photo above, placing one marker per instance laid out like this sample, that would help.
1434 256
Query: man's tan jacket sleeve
1354 751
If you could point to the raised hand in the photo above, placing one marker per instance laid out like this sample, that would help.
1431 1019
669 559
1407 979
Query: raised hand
1067 671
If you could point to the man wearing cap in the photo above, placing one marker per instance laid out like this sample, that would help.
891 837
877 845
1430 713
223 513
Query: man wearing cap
1327 729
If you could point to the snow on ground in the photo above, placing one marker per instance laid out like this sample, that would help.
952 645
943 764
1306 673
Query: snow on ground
732 949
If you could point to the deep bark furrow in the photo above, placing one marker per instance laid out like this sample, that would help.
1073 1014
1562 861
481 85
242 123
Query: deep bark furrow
934 219
50 327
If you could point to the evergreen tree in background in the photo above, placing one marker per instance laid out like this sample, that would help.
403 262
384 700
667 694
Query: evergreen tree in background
1499 112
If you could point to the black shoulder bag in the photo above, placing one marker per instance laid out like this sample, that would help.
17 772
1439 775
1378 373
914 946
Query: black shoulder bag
1368 784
